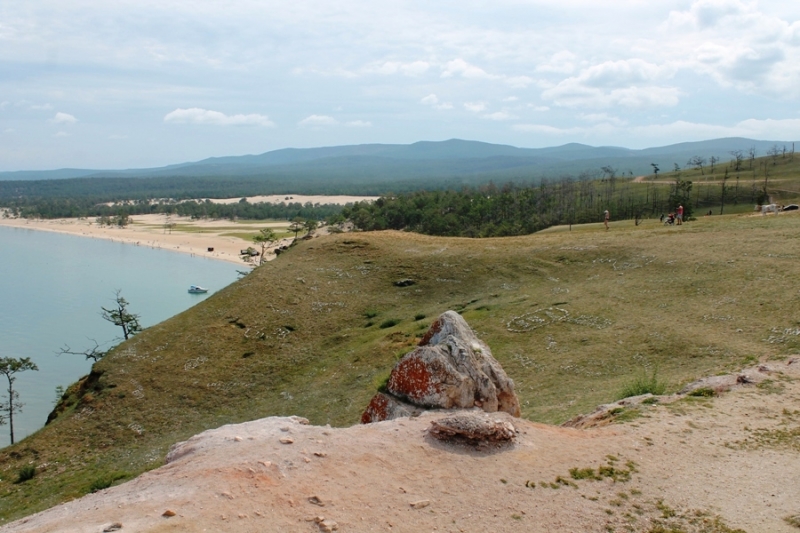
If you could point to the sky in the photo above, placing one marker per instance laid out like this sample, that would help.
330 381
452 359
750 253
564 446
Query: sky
145 83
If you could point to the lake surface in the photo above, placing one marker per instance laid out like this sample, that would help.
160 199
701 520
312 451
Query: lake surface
51 289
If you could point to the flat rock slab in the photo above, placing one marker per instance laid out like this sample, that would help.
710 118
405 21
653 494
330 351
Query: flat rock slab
474 426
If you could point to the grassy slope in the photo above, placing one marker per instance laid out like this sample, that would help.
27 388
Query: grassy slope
294 336
783 182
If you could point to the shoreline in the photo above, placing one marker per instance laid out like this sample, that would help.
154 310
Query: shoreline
211 239
147 230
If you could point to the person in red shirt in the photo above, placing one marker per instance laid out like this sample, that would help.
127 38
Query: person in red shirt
679 215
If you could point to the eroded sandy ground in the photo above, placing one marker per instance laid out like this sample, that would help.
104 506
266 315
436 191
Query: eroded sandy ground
699 464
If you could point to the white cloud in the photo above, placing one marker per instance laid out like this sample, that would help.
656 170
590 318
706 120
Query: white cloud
500 115
462 68
196 115
705 14
560 63
543 128
511 99
572 93
750 128
42 107
738 44
433 101
475 107
628 83
358 124
459 67
61 134
518 82
337 72
602 118
540 108
316 121
117 137
413 69
9 130
63 118
671 132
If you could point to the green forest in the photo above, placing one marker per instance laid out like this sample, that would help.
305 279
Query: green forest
492 211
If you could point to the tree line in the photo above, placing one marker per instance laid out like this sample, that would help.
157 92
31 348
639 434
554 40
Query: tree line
197 209
492 211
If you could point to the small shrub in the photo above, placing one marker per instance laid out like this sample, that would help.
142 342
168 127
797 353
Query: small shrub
100 484
583 473
793 520
419 316
566 482
703 392
626 415
107 481
666 511
25 473
389 323
370 314
643 384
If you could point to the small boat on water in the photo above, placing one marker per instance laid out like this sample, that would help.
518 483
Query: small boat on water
197 289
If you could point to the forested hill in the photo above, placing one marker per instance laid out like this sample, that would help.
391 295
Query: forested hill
470 162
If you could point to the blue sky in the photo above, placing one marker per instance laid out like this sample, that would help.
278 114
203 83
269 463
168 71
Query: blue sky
99 84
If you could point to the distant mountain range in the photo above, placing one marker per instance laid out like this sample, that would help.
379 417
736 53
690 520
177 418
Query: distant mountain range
455 159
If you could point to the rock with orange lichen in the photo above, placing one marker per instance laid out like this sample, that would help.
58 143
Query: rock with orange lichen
450 369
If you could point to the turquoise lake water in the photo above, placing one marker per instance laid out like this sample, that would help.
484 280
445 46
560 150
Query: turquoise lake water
51 289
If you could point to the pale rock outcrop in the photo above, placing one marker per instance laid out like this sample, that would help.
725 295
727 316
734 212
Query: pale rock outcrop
450 369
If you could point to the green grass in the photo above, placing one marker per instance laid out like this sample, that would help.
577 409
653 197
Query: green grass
26 473
689 301
643 384
703 392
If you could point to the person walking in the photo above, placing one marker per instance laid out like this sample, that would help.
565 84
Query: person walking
606 216
679 215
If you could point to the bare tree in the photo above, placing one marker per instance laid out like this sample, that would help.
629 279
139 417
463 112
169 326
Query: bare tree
656 170
712 162
609 171
751 156
95 353
774 152
698 163
722 196
8 367
738 157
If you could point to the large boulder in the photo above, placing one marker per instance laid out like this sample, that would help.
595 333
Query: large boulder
450 369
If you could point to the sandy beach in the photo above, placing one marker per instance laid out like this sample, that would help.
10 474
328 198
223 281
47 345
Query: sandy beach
297 199
213 239
202 238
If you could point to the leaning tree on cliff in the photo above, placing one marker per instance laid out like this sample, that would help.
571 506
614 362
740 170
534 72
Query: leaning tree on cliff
8 367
